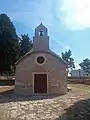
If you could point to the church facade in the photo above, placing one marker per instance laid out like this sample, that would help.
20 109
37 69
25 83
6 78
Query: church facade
41 71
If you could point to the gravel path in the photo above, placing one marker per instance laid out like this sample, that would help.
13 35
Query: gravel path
56 108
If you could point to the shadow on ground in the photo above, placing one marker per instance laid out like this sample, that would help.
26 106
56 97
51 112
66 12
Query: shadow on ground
10 96
79 111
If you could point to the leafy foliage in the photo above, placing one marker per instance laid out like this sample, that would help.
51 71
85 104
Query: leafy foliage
26 44
9 44
85 65
66 56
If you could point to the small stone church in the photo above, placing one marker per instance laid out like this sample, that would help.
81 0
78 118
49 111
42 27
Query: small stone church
41 71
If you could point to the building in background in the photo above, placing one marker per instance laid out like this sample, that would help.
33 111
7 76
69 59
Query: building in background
78 73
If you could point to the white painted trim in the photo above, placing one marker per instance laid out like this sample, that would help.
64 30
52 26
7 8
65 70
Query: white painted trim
47 81
40 54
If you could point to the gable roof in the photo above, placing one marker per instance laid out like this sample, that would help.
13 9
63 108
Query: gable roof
49 52
28 53
41 25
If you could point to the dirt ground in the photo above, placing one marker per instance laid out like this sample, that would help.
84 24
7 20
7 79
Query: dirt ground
6 88
73 106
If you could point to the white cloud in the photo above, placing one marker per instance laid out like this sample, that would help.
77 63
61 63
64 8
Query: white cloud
65 47
32 13
76 13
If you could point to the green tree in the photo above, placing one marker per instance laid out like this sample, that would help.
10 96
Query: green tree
66 56
9 45
85 65
26 44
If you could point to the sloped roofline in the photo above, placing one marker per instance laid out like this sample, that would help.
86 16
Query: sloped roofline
52 52
49 52
40 25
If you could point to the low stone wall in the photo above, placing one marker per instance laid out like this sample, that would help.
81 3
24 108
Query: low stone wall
75 80
7 82
87 81
79 80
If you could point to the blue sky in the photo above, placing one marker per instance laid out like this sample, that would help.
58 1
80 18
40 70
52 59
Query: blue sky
68 22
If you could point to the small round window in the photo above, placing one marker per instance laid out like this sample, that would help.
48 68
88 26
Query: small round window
40 59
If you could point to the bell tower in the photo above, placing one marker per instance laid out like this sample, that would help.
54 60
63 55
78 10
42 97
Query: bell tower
41 39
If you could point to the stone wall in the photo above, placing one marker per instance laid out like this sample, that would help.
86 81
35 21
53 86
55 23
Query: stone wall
79 80
56 70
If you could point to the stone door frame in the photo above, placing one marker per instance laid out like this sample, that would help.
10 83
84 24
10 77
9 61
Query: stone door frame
47 82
